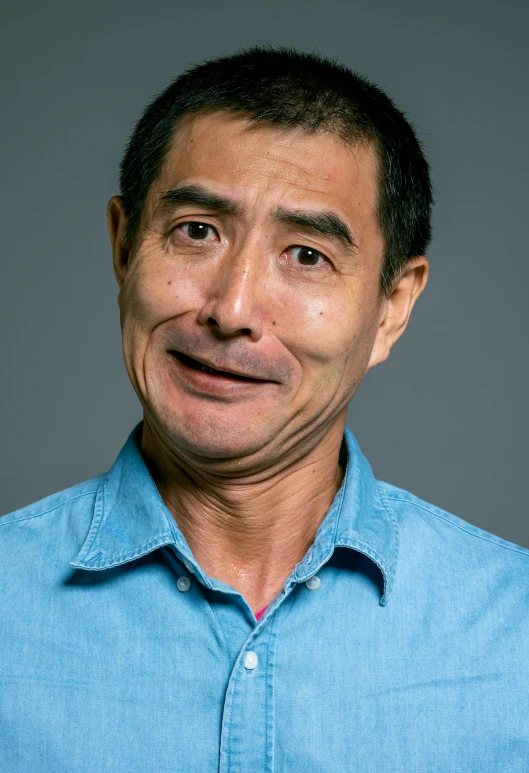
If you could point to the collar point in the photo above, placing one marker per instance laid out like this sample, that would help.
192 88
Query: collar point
77 564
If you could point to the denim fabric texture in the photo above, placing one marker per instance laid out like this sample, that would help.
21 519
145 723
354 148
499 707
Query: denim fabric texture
411 655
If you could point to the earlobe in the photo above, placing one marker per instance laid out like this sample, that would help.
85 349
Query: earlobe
117 226
381 349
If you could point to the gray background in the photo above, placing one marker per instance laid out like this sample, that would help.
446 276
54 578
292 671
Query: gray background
446 416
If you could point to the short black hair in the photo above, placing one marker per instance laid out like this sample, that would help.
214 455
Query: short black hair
294 89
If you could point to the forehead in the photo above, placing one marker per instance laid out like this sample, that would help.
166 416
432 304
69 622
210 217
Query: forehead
254 162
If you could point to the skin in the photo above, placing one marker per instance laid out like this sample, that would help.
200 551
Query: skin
250 469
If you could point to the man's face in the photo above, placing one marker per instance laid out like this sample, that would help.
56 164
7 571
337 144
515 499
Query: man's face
260 255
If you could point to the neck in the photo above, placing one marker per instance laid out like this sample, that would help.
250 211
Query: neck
249 531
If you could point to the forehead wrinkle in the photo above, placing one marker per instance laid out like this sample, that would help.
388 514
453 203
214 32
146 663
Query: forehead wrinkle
321 219
298 165
286 183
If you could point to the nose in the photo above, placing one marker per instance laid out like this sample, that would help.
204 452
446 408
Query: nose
233 304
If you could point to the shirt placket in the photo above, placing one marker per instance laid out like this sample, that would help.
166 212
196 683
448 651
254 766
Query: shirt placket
247 734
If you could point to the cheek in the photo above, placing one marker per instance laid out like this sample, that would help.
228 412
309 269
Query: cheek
151 295
324 329
154 293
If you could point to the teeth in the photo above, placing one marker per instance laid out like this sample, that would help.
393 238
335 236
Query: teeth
206 369
196 365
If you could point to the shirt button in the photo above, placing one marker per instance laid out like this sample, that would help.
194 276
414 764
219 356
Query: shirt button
183 584
250 660
313 583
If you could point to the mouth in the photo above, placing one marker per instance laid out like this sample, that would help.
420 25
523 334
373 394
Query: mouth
190 362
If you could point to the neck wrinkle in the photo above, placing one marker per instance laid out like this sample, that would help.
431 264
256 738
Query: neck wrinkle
249 534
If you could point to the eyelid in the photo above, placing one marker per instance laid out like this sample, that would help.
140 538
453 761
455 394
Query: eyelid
312 249
321 254
178 226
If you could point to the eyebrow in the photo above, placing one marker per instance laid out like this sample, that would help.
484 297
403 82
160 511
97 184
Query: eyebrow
327 223
194 194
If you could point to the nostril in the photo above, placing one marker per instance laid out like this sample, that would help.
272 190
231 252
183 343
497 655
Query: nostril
244 330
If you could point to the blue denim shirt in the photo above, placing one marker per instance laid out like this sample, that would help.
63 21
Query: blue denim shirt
118 653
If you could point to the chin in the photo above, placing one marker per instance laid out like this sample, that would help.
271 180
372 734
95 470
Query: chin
213 438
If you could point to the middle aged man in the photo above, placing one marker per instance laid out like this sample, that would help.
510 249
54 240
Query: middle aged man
238 593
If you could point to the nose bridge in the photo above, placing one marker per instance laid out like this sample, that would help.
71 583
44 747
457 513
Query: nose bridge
235 291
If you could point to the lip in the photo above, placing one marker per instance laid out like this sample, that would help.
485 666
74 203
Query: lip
213 382
224 372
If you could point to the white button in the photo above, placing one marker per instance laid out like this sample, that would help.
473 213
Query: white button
250 660
313 583
183 584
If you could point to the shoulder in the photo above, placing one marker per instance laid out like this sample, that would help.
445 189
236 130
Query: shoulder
470 585
55 526
78 496
426 524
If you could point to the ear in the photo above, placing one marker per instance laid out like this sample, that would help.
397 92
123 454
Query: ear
397 307
117 226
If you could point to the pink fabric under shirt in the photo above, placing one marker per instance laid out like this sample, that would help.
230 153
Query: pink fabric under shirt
258 614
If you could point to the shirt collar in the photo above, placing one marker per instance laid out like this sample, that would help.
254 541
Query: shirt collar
130 518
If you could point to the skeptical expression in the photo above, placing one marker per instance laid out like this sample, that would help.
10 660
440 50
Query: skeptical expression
251 305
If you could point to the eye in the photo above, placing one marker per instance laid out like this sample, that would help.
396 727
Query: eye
198 231
306 255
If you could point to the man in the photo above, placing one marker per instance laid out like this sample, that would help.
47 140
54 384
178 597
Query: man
238 593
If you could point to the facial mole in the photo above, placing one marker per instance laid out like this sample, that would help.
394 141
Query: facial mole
273 323
169 282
